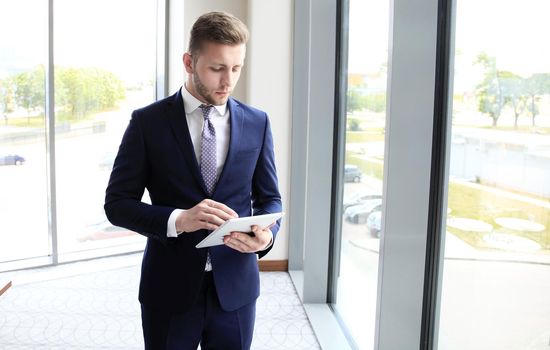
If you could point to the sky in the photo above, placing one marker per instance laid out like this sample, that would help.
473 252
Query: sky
120 39
515 32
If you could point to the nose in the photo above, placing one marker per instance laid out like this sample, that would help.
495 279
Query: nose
226 78
229 78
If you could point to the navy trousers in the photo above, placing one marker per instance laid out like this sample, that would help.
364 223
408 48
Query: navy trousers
205 323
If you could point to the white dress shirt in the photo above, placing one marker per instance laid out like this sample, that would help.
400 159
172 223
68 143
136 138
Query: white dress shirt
195 120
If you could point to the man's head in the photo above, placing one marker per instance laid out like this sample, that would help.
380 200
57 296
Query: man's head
215 56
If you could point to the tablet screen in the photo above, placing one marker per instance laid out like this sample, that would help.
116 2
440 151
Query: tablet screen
243 224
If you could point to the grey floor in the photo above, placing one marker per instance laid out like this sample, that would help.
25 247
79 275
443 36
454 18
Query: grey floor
76 306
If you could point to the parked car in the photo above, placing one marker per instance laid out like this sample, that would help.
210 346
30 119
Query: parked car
103 230
374 223
358 214
358 198
12 159
352 173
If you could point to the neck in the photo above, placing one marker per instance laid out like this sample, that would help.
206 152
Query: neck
191 88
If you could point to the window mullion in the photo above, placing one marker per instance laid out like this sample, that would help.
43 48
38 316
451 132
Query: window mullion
50 139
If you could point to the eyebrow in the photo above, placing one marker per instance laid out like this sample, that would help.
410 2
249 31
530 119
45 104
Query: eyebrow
225 65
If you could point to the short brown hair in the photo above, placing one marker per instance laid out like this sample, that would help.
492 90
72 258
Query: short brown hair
217 27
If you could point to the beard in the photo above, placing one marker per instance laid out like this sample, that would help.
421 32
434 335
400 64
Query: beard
203 92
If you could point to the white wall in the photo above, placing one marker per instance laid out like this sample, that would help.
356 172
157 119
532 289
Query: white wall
266 81
269 86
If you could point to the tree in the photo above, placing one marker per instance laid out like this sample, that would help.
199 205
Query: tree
535 86
353 125
70 91
29 91
375 102
6 96
84 90
488 92
353 101
513 90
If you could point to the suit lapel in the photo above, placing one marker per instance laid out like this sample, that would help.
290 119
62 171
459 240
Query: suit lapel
236 120
178 121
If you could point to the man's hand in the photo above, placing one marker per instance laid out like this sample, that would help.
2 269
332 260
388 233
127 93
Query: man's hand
245 243
208 215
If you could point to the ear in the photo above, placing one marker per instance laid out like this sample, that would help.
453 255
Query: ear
188 63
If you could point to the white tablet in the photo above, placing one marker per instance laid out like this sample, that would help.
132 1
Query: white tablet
240 225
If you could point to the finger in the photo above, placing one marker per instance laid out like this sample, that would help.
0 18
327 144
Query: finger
211 219
219 213
247 242
250 243
258 230
208 226
241 237
221 207
261 238
236 244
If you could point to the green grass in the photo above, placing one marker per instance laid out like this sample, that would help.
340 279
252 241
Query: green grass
39 120
369 167
474 203
30 122
365 136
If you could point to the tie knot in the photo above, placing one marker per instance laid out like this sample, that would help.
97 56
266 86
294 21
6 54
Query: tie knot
206 109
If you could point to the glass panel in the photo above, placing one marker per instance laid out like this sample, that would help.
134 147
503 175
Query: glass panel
105 67
364 163
497 248
23 180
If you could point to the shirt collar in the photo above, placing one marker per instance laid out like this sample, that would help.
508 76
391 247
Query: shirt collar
191 103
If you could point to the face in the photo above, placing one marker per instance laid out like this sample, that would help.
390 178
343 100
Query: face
215 72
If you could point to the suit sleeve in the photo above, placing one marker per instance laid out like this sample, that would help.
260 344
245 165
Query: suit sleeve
265 190
123 205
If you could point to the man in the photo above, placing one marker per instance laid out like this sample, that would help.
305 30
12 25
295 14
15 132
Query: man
204 158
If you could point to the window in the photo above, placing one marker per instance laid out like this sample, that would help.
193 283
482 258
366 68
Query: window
363 169
497 244
103 72
104 67
23 174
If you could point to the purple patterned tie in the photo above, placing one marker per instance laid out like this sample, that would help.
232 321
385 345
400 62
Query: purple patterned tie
208 159
208 150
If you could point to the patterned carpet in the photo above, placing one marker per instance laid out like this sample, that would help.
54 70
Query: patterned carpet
99 310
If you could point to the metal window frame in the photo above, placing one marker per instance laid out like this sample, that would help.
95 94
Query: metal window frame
50 140
162 62
312 147
439 182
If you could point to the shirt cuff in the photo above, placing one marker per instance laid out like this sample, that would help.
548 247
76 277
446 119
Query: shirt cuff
270 243
171 226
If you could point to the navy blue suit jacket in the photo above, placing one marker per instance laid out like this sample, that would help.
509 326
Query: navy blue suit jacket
157 153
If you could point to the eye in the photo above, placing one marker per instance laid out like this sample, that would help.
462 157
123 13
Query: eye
217 69
236 69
